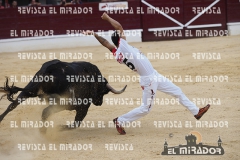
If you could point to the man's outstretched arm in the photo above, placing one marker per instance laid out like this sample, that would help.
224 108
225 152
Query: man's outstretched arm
115 24
102 40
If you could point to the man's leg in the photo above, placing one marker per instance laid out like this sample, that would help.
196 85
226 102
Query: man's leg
149 93
166 86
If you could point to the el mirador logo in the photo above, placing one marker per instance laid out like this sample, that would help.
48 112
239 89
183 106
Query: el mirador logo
194 146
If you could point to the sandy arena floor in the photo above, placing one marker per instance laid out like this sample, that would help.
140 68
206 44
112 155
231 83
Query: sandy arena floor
147 140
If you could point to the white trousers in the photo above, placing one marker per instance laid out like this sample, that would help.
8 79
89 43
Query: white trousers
150 84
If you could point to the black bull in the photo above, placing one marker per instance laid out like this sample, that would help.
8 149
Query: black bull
74 81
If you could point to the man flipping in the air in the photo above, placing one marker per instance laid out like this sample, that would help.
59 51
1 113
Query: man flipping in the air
150 79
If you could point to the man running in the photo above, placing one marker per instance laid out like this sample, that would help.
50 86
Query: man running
150 79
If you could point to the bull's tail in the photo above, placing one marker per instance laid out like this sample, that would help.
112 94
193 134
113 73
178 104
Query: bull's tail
28 91
9 90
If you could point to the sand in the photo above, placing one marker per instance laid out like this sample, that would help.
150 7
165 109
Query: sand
146 140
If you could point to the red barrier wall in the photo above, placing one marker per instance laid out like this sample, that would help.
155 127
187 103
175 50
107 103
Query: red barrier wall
216 15
156 20
10 19
233 11
188 10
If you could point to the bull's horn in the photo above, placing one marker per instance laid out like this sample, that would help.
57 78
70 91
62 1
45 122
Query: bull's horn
114 91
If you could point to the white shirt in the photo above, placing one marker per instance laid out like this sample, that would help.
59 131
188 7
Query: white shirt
133 58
